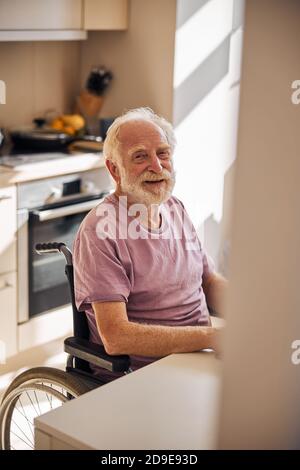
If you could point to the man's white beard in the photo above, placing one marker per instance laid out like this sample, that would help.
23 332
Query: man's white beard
137 193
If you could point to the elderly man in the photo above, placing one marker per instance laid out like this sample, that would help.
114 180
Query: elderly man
141 274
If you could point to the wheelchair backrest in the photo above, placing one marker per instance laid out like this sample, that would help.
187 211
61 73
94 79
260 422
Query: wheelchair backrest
80 324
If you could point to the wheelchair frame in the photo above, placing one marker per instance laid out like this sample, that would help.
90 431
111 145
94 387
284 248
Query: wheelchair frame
58 386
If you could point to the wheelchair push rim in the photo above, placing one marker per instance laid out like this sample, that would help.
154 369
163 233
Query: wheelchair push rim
29 399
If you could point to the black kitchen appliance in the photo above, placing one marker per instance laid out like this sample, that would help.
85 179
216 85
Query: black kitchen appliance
43 140
51 209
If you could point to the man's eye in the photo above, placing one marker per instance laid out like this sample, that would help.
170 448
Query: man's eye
164 153
140 156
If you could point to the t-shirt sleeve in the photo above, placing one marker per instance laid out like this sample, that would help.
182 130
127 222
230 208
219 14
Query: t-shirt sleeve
99 275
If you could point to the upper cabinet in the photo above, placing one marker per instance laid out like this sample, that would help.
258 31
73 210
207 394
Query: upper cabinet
37 14
105 14
30 20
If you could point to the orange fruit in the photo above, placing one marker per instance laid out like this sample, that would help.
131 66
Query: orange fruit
69 130
57 124
74 120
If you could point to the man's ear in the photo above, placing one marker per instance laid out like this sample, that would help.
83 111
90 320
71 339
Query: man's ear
113 169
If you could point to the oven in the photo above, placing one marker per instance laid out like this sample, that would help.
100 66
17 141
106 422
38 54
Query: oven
53 210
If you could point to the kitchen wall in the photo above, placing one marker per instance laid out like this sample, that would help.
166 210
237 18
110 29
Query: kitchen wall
42 75
38 76
141 58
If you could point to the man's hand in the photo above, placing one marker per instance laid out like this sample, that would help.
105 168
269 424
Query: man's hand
216 340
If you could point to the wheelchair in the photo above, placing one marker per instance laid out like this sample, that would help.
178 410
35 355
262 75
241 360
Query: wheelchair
41 389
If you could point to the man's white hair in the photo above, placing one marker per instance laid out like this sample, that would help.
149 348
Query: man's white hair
111 143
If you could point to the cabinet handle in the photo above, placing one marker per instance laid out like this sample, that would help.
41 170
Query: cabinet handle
3 198
6 286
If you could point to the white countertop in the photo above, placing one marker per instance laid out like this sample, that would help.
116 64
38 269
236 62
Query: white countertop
170 404
69 164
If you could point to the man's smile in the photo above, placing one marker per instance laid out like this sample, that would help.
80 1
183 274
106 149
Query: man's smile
154 183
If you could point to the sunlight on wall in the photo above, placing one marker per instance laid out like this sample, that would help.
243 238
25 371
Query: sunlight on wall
200 35
208 48
204 153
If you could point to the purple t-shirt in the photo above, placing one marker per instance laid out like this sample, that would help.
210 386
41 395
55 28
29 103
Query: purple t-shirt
158 273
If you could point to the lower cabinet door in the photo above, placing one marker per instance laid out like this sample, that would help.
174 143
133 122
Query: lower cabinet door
8 316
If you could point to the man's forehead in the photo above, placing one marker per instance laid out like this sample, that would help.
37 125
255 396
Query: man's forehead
134 132
140 146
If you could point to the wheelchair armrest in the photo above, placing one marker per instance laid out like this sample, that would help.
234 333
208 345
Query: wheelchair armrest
95 353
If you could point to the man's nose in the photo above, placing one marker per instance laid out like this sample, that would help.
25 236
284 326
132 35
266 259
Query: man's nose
155 164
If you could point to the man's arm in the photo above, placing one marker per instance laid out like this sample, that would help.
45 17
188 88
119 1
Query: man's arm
120 336
215 287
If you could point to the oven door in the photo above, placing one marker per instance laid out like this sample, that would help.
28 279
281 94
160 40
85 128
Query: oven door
48 287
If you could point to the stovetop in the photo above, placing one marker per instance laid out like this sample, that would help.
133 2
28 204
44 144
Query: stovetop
16 160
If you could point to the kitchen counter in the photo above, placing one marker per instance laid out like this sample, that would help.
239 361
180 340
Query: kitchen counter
172 403
69 164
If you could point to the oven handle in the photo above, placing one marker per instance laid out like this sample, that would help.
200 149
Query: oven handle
50 214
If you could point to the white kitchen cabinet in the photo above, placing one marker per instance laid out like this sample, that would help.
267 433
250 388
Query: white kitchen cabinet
8 227
37 14
8 291
105 14
8 316
36 20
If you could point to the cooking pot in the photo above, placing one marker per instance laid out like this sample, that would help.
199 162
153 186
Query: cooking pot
47 140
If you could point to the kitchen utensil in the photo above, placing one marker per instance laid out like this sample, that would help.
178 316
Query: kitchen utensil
98 80
91 98
47 140
85 146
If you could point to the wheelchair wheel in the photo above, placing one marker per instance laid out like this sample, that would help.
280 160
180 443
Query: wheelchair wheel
31 394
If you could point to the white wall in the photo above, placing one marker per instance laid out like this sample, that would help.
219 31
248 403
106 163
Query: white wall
206 97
